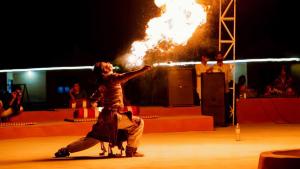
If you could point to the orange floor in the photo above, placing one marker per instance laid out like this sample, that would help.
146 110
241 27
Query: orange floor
51 123
201 149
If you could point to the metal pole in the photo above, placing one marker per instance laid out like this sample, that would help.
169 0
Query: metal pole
234 65
220 24
223 19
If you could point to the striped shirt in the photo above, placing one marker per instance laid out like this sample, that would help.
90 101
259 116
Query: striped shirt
113 95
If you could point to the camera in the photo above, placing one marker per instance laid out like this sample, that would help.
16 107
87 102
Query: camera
19 94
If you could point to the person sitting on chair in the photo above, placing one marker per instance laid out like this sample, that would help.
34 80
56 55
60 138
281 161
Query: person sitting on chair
11 105
77 93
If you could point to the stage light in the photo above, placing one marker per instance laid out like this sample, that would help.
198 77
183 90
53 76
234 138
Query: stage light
60 89
51 68
29 74
67 89
157 64
228 61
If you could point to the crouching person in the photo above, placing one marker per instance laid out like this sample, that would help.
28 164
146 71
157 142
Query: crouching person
112 117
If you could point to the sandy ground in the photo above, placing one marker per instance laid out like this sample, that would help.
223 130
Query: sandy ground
207 150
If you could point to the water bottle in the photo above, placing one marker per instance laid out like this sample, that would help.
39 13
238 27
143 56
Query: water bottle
241 96
245 95
237 132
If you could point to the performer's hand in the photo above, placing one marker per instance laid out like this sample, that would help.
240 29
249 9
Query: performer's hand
147 67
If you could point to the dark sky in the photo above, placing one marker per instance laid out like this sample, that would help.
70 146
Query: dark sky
80 32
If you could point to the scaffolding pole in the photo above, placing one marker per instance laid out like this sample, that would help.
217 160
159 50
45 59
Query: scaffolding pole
227 26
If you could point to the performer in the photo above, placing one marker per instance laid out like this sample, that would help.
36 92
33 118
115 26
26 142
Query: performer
111 118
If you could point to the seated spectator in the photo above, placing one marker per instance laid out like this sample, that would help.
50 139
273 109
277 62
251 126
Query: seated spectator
284 83
242 90
76 93
78 96
282 86
11 104
241 86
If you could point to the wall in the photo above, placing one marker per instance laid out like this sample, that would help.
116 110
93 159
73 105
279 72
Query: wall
240 69
35 82
295 72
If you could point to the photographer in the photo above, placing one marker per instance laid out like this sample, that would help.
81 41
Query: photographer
11 105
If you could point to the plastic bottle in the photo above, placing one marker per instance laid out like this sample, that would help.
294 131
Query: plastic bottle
241 96
245 95
237 132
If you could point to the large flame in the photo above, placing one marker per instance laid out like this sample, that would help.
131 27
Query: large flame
175 26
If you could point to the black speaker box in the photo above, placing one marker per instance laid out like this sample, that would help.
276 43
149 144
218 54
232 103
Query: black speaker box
163 86
213 100
180 87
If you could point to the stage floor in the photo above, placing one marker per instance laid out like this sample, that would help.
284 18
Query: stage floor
201 149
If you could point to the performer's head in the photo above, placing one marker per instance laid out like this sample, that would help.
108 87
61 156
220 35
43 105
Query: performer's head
103 68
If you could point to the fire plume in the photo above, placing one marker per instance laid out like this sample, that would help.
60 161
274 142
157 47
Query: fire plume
178 21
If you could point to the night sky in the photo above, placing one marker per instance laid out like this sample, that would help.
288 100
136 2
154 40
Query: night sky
80 32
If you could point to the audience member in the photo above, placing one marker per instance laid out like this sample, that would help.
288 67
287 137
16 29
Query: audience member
221 67
284 83
77 93
241 87
282 86
242 90
11 105
227 70
201 68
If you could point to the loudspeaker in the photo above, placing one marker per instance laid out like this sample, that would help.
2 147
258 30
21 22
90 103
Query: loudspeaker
180 87
163 86
213 100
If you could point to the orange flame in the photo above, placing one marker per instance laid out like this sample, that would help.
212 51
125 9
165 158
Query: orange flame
177 23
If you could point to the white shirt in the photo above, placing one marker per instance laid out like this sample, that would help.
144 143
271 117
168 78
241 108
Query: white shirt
200 68
227 69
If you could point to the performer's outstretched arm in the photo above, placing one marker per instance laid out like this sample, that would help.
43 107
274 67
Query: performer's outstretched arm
129 75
